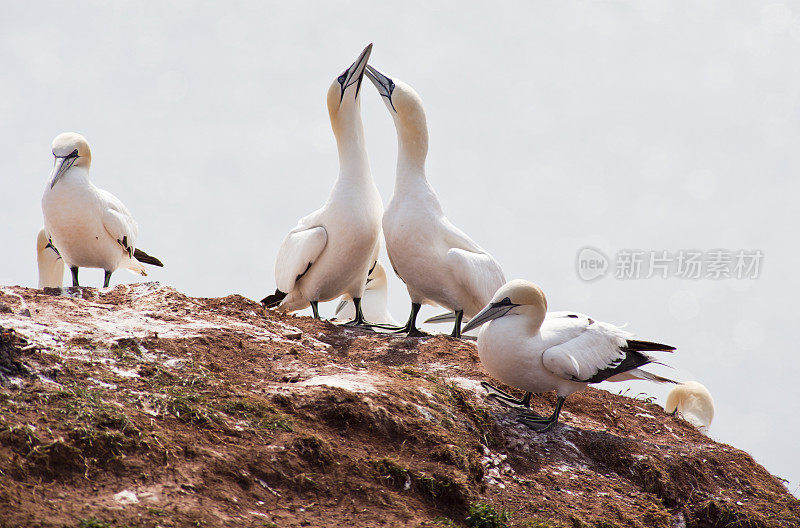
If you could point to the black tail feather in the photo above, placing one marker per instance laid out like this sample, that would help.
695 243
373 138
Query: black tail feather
639 346
144 258
271 301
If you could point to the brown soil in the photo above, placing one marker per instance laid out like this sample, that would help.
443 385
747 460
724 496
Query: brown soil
142 407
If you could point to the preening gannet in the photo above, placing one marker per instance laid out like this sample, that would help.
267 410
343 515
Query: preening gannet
51 265
331 251
692 402
437 261
90 227
525 347
373 303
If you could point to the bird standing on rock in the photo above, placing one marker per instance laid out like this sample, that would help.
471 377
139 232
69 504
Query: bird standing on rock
331 251
524 346
439 263
90 227
373 303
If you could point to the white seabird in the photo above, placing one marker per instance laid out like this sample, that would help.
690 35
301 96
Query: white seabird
373 303
525 347
331 251
50 263
438 262
692 402
90 227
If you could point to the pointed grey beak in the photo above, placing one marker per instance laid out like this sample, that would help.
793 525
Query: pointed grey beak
62 165
383 83
355 73
490 312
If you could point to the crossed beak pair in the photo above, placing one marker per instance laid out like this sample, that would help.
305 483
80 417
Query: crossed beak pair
355 73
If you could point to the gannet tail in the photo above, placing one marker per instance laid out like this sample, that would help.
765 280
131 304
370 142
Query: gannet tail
641 346
271 301
641 375
143 257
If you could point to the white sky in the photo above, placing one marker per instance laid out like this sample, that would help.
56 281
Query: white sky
646 125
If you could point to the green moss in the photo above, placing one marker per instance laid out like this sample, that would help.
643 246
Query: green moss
259 414
95 523
485 516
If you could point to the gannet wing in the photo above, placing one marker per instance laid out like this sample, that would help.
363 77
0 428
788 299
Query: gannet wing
299 250
583 350
118 222
478 273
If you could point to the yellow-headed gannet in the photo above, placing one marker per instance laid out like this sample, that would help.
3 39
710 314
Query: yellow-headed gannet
437 261
51 265
525 347
692 402
331 251
373 303
90 227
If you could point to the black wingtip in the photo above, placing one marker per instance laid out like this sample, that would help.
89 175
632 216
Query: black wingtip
144 258
640 346
271 301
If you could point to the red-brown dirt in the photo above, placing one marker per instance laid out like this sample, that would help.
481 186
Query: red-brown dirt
141 407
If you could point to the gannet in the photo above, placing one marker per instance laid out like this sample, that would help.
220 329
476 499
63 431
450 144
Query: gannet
51 265
331 251
90 227
437 261
373 303
692 402
525 347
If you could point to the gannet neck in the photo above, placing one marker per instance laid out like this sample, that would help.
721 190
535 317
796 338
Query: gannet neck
348 130
412 136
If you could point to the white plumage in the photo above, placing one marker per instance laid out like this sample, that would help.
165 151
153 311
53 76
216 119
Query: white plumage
373 303
331 251
525 347
692 401
90 227
439 264
50 264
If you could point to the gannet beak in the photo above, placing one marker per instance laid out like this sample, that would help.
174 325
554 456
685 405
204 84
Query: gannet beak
492 311
62 165
355 73
384 84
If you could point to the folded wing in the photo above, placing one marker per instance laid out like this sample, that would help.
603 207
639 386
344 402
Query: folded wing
299 250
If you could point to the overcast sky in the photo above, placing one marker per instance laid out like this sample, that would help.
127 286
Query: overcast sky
647 125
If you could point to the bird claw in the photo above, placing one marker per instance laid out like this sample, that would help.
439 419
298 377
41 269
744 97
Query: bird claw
535 422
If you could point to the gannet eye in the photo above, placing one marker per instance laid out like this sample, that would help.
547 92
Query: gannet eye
73 154
341 78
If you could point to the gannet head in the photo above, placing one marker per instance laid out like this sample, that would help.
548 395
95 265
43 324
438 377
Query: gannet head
69 148
343 94
517 297
405 107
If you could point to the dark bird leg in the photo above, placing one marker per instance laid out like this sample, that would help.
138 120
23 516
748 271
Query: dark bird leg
74 270
315 309
359 321
411 325
457 326
506 398
539 424
107 278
